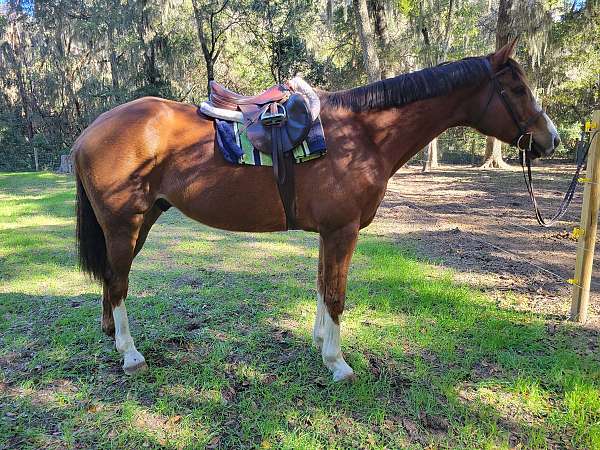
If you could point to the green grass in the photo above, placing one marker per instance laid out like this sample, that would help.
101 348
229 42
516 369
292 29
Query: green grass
224 320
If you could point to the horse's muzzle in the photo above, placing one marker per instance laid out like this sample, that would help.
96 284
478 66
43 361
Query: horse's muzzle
537 151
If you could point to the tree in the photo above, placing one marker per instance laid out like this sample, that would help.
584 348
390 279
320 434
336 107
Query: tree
213 19
430 156
367 42
431 56
13 54
532 20
504 27
383 35
279 28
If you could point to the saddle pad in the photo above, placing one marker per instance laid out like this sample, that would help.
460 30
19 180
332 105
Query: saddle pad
236 148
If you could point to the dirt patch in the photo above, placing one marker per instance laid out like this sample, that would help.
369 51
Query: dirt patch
481 223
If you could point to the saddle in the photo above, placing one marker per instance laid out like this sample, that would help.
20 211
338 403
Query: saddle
276 121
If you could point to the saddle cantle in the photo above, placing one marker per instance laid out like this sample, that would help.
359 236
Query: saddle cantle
222 97
276 121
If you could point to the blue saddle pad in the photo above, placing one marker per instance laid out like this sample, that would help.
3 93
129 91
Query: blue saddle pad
237 149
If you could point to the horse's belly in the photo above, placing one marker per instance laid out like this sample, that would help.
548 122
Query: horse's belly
234 198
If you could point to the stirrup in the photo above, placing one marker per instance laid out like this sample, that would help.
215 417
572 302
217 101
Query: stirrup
274 115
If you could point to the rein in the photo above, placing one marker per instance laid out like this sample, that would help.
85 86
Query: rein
523 133
566 201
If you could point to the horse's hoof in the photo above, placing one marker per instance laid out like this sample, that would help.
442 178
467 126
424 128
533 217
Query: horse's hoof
134 362
136 368
344 375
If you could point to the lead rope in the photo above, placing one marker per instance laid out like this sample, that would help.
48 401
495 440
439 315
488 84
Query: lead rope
566 201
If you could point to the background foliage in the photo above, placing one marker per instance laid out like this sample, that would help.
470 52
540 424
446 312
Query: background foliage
64 62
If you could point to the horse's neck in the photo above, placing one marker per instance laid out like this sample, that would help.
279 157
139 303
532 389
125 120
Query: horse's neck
400 133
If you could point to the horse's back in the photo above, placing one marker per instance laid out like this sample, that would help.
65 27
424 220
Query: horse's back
143 124
118 154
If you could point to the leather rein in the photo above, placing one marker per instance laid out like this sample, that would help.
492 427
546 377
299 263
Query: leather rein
524 136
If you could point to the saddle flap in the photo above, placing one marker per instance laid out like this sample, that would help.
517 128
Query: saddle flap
294 128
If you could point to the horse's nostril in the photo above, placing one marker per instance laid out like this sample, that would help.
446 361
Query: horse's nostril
556 141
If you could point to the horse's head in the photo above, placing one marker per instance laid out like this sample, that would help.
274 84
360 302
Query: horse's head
508 110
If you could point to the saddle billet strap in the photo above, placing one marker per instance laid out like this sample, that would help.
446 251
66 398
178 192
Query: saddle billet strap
277 155
287 192
283 169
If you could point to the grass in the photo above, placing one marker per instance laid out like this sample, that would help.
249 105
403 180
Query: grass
224 320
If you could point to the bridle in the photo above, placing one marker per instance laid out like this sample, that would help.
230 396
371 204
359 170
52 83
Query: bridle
521 138
497 88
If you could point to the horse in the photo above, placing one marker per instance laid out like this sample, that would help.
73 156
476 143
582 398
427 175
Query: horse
141 157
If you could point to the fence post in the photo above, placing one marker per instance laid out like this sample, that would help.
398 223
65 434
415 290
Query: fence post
589 224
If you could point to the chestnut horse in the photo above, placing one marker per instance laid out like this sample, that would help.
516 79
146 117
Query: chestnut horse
139 157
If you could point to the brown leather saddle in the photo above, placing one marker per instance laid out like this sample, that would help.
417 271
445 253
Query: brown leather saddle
277 108
276 122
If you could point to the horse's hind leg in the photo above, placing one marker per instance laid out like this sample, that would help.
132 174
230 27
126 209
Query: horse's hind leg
108 323
121 241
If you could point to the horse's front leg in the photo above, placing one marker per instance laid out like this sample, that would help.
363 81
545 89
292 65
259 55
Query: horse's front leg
334 259
318 328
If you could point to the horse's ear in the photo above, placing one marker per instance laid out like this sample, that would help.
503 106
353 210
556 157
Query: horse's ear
501 56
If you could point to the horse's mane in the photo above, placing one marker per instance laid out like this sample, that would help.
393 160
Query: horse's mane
410 87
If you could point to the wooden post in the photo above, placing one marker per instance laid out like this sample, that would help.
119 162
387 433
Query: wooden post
589 224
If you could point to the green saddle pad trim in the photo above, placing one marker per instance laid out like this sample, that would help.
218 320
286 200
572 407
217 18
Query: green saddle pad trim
256 158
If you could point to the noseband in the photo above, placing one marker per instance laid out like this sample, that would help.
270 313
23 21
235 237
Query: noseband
522 126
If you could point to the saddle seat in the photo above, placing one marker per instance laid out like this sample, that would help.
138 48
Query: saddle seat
221 97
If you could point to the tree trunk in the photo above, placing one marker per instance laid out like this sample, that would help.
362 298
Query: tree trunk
430 156
493 147
504 24
363 27
114 71
66 165
383 35
207 51
493 155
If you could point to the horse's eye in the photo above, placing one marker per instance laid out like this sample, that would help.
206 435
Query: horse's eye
519 90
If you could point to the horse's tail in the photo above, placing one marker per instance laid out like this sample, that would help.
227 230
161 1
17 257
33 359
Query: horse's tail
90 237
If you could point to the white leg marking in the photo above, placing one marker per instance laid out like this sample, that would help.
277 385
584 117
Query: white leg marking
133 360
318 329
332 353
